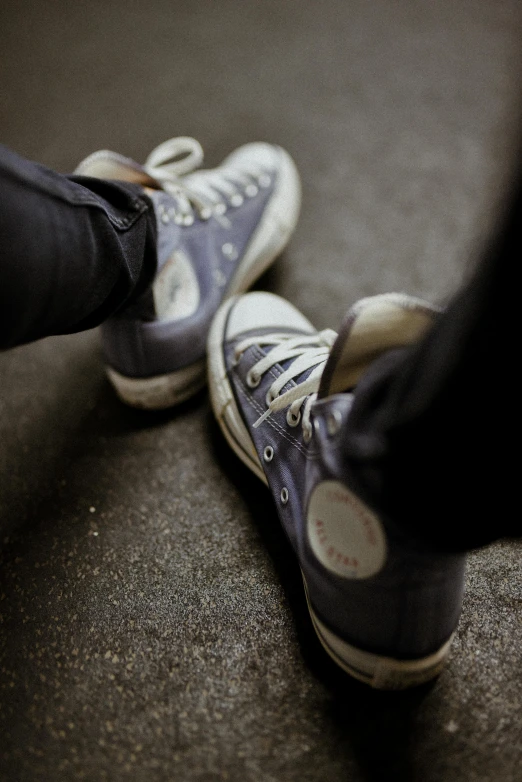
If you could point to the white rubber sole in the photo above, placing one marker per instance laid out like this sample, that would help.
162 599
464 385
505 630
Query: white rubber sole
384 673
381 673
267 242
274 230
222 397
161 391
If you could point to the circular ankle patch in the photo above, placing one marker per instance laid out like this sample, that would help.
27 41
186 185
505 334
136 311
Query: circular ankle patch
175 289
344 534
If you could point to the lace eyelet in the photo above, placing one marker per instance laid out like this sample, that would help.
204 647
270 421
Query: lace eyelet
284 495
188 220
206 213
236 199
264 180
268 453
333 422
220 209
291 419
219 278
252 379
165 218
251 190
229 250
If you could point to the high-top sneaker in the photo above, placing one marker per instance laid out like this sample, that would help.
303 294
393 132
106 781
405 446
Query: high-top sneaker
218 231
383 606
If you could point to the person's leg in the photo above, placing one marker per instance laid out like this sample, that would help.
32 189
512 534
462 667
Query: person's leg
80 250
74 249
430 432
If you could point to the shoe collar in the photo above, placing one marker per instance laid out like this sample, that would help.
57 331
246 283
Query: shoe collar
167 163
371 327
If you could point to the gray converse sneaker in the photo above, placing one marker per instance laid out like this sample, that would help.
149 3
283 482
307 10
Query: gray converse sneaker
384 609
218 230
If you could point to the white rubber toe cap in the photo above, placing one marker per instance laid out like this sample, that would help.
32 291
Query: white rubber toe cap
257 153
259 310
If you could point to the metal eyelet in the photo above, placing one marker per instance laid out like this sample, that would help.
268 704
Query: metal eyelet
229 250
284 495
291 419
219 277
252 379
238 355
268 453
333 422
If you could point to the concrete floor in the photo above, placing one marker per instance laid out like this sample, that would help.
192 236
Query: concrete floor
153 625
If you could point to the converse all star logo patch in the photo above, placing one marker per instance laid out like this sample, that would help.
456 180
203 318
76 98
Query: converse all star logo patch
344 534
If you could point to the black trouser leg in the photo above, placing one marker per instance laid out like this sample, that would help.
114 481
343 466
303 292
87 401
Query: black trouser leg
446 413
73 250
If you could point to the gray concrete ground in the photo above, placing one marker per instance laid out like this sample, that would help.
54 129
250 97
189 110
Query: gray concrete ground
153 625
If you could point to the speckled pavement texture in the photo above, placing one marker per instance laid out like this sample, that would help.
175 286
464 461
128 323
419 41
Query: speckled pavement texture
153 624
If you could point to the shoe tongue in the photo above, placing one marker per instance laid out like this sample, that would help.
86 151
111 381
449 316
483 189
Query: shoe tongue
110 165
371 327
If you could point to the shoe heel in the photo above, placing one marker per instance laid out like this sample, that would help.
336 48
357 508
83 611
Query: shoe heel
161 391
378 671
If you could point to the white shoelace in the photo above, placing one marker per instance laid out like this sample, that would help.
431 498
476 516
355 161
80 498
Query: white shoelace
308 352
171 165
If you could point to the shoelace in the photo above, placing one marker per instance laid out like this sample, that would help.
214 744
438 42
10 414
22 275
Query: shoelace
307 352
171 165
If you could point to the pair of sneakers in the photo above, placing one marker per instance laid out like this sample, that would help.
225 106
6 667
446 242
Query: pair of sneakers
384 609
